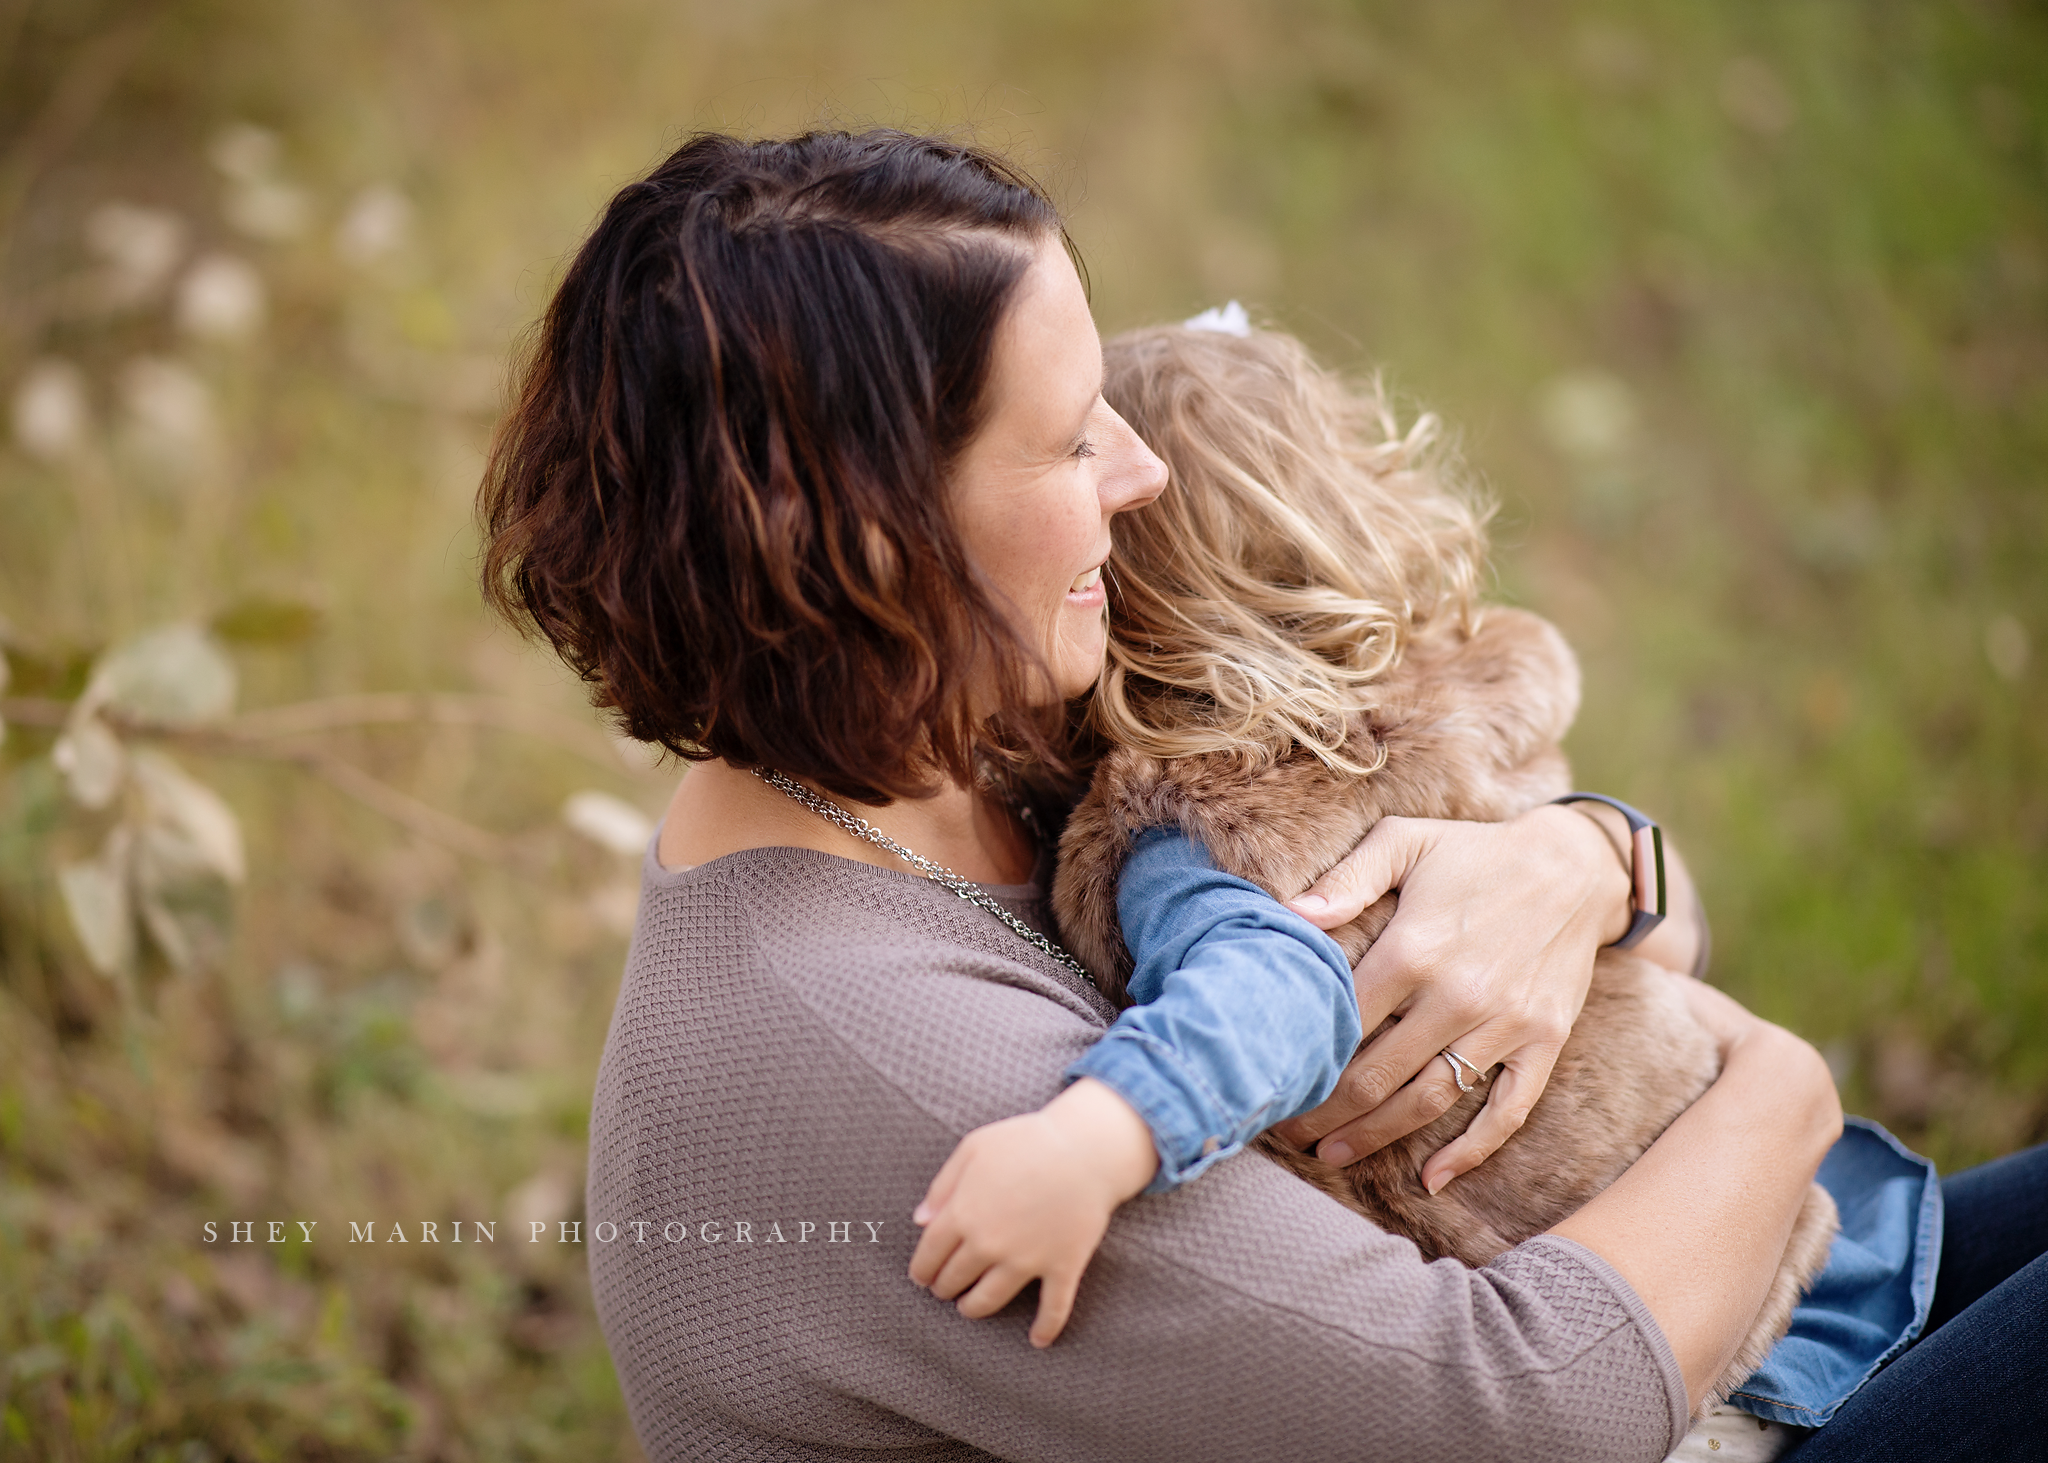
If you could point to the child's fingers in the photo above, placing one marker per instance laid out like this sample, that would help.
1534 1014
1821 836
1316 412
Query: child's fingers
940 1189
993 1291
934 1247
963 1267
1055 1306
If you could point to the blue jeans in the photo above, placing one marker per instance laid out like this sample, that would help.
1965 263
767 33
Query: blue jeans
1975 1385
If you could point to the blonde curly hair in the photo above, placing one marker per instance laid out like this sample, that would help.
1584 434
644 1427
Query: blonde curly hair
1303 541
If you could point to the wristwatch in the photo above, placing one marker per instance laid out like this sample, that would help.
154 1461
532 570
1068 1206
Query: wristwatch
1646 866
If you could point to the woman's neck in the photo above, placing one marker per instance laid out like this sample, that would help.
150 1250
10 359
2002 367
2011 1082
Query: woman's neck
720 809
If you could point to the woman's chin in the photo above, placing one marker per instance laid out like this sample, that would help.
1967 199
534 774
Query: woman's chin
1077 675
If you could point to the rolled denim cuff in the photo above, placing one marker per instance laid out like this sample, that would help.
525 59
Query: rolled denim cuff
1191 1126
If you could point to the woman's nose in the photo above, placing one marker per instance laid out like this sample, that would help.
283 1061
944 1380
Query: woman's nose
1140 476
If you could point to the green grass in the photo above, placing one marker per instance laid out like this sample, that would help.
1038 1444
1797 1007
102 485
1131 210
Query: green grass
1741 313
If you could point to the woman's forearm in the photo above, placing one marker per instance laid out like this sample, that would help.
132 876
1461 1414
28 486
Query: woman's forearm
1699 1223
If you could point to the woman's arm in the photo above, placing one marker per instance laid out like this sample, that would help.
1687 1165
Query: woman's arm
1697 1225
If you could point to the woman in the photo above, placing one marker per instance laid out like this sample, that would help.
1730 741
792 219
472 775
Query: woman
811 476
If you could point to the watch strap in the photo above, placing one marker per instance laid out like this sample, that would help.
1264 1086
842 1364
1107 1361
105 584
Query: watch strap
1646 867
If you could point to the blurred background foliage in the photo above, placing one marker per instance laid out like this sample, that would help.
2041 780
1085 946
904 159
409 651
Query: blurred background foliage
313 882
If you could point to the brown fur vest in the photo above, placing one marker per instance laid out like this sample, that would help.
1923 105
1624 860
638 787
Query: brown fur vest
1470 728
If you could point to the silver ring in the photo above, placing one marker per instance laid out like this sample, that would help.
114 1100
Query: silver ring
1458 1066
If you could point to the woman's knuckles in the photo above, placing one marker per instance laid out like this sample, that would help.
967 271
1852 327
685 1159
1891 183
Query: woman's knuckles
1439 1097
1365 1089
1470 1001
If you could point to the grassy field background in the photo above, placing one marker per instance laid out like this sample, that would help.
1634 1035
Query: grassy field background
1738 311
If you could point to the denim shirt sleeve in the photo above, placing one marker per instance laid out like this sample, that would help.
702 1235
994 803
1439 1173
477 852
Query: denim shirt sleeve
1245 1011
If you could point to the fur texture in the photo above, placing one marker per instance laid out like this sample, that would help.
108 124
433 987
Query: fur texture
1470 727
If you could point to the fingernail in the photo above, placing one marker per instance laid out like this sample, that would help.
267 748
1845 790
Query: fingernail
922 1214
1309 904
1337 1154
1436 1185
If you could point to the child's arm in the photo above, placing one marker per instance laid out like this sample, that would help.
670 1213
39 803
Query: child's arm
1028 1199
1247 1016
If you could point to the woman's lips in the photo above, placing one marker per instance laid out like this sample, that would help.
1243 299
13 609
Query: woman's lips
1086 591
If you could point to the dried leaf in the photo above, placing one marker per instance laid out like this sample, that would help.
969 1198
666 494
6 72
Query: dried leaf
184 903
608 822
176 675
96 896
91 759
183 808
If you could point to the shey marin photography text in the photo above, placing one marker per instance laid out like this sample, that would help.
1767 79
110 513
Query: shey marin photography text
566 1231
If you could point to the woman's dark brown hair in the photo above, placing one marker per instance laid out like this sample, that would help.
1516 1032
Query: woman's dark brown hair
721 494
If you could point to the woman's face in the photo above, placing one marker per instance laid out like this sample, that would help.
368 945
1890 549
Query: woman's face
1035 489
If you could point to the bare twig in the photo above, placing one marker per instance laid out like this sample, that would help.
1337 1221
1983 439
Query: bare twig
407 811
72 104
259 733
335 713
298 719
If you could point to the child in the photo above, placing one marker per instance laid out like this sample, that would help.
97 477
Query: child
1295 652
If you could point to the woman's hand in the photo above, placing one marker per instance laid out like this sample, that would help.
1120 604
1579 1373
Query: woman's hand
1489 954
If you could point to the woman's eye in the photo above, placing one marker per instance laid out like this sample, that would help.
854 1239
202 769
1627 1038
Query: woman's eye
1084 448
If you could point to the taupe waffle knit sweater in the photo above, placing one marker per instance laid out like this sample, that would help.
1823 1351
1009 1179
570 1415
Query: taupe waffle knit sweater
799 1042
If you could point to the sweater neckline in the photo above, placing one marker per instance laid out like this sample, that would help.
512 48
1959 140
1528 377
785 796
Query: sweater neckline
654 872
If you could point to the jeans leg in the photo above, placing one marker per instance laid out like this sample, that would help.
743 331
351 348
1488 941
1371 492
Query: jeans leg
1977 1389
1995 1223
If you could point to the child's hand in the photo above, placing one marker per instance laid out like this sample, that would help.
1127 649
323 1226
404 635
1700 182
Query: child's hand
1027 1199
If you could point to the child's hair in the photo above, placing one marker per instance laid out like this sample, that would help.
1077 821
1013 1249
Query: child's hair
1302 542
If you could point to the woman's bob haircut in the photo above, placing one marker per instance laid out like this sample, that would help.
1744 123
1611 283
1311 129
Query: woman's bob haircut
722 490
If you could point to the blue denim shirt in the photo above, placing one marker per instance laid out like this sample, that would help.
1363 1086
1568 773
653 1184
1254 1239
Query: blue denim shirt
1245 1012
1246 1015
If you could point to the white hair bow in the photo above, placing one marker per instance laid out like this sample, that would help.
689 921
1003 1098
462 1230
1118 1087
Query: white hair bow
1227 319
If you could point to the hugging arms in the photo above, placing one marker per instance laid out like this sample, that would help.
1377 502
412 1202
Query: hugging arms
1028 1197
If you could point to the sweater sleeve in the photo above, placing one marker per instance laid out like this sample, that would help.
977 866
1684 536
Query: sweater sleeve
800 1041
1245 1011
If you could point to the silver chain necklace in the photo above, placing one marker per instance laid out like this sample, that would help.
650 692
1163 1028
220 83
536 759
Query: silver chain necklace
939 874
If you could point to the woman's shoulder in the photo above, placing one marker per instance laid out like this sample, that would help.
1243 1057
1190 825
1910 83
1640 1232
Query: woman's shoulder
767 952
